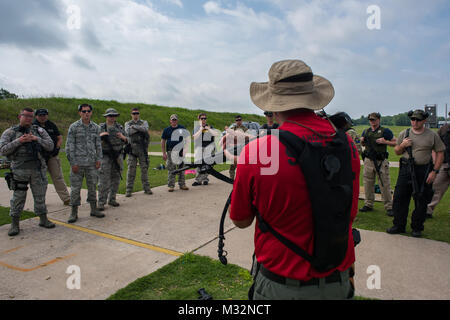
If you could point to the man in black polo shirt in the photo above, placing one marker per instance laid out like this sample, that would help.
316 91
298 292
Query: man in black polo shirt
52 159
271 124
173 139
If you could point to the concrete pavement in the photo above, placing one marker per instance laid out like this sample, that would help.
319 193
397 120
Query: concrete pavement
148 231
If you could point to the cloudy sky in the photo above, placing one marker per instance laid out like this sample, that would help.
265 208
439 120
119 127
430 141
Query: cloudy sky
202 54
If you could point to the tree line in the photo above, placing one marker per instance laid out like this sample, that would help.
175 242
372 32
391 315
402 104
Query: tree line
400 119
5 94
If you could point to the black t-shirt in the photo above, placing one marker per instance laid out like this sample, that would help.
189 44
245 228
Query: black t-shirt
51 129
169 133
266 126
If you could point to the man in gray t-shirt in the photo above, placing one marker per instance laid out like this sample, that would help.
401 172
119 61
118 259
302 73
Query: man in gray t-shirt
422 141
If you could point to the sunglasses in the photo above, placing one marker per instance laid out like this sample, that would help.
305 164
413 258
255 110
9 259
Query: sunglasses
85 111
173 119
135 113
202 118
372 119
238 119
415 119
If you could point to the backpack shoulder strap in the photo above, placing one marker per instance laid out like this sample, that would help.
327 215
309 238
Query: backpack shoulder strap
295 145
265 227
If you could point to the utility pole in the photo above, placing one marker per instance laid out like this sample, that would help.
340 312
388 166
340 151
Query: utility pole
446 114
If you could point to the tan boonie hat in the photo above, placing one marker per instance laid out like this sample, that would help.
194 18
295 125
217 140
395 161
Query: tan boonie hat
111 112
174 117
292 85
374 115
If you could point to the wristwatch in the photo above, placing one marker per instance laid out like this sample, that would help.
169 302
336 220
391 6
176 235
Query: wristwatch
436 170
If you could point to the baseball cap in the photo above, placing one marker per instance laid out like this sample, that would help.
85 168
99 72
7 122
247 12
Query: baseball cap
41 112
374 115
418 114
174 117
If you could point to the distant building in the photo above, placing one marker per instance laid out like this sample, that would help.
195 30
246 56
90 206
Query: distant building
432 118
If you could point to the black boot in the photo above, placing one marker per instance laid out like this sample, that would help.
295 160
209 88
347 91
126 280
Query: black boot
94 210
395 230
14 230
73 215
44 222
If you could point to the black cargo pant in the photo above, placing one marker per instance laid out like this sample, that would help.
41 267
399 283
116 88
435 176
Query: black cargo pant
402 196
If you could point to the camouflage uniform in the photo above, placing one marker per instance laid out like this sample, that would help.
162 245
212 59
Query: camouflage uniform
233 166
354 135
83 149
26 168
109 173
137 133
172 166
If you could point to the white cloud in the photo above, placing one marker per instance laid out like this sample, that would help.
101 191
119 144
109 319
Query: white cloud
130 51
212 7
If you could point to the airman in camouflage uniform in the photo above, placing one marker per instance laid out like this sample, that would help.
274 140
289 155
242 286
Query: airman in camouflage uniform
21 144
237 127
113 140
139 138
354 135
84 152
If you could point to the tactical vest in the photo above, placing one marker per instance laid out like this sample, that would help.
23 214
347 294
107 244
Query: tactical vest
371 145
24 157
116 142
138 139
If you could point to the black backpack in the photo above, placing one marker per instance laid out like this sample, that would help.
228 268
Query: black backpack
329 178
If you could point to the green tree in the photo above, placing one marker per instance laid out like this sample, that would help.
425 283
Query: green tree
5 94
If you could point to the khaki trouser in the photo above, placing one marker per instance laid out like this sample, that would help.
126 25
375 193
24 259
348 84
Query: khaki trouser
370 175
171 177
440 186
266 289
55 171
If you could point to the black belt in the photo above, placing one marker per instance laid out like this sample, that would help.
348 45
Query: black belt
334 277
405 162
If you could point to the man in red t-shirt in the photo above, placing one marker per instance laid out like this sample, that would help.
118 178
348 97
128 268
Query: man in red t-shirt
268 182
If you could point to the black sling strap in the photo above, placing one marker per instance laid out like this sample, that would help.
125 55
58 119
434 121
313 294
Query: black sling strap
265 227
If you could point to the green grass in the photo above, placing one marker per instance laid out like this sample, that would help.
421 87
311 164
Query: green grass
6 219
63 111
437 228
181 279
